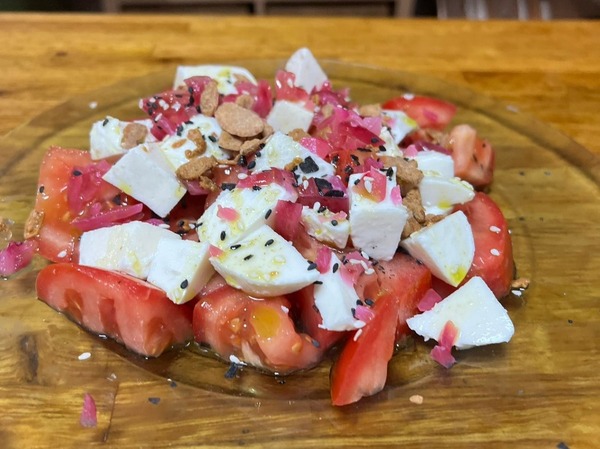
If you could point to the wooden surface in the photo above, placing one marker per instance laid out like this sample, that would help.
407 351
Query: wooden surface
540 391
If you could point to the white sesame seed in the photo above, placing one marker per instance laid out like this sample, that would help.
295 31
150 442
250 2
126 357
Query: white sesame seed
357 334
93 105
234 359
242 175
285 309
494 252
495 229
369 271
517 292
62 254
84 356
416 399
408 96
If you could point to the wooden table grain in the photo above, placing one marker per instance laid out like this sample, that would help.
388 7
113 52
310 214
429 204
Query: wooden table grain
550 71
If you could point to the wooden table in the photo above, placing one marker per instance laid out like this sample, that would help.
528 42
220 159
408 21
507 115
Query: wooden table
548 70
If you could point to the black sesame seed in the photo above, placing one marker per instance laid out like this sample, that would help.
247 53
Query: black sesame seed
355 159
248 257
199 111
179 130
322 209
308 165
105 122
199 224
154 401
359 302
251 165
256 188
348 169
242 161
382 148
76 173
389 172
334 222
232 371
353 310
356 181
374 139
223 235
262 145
315 343
268 214
369 302
228 186
117 200
335 159
212 138
41 189
184 284
258 154
234 247
311 266
364 150
335 267
269 242
188 122
318 282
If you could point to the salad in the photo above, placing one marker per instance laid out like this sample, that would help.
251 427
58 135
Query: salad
280 226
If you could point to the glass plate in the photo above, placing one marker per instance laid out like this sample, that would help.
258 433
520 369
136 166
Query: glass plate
545 183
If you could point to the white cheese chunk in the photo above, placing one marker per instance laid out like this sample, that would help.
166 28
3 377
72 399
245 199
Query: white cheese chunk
326 227
376 227
474 310
225 76
181 268
144 174
399 123
251 209
446 247
435 163
287 116
106 137
176 146
282 150
308 72
391 148
335 298
438 194
264 264
128 248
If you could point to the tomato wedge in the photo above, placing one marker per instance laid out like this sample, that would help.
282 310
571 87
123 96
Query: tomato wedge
428 112
474 158
129 310
361 369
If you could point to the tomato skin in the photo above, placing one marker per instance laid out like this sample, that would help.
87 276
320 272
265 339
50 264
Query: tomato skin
258 331
496 270
474 158
361 369
126 309
428 112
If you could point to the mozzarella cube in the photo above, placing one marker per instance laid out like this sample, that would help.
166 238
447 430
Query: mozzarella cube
181 268
474 310
107 137
376 227
438 194
336 298
326 227
176 146
399 123
446 247
281 151
225 76
144 174
264 264
309 74
251 209
128 248
434 163
287 116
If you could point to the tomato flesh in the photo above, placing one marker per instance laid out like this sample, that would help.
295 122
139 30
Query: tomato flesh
428 112
126 309
361 369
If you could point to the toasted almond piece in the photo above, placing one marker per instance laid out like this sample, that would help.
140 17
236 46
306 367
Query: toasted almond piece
33 224
238 121
250 146
229 142
431 219
414 204
209 100
196 136
298 134
245 101
268 130
520 283
208 184
196 168
412 225
370 110
407 172
133 135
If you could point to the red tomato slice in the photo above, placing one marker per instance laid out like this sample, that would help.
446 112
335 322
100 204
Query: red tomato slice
258 331
428 112
493 259
474 158
129 310
59 234
361 369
